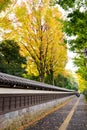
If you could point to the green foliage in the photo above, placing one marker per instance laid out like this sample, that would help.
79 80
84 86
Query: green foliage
10 59
49 79
81 62
85 91
32 77
76 25
61 81
4 4
66 3
66 82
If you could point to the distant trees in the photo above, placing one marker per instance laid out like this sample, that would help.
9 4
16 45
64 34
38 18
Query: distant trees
67 81
11 61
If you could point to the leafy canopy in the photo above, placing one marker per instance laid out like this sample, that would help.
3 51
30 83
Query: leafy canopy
10 59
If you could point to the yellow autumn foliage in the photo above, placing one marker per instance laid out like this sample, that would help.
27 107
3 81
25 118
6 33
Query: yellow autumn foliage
38 30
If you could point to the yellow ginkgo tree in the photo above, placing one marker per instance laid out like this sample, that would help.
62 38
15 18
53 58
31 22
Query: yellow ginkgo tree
37 27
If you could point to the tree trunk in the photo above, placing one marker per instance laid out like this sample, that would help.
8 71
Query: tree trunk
52 77
42 74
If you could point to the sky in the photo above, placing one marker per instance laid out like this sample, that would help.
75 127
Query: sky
70 65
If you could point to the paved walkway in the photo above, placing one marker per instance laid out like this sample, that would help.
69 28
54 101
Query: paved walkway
79 119
70 117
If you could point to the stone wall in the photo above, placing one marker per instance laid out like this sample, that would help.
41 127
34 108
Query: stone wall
16 119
